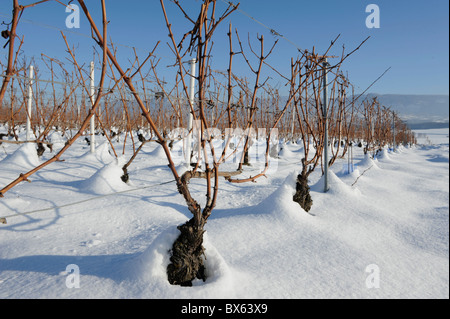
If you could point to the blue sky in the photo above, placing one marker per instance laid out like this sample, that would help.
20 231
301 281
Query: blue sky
412 38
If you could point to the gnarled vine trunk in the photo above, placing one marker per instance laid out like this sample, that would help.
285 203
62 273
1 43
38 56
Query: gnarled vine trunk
302 195
187 253
187 262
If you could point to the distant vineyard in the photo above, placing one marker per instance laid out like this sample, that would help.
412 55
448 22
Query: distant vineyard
320 110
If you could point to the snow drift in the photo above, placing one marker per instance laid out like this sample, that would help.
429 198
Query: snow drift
259 243
107 180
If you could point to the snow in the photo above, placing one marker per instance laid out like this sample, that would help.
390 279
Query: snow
24 157
106 180
392 223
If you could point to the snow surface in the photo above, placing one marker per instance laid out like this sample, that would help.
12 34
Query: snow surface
259 243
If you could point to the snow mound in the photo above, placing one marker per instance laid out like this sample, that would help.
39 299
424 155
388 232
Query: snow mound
56 139
217 271
25 157
348 170
106 180
158 152
367 162
101 154
384 155
336 186
280 202
286 153
151 266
